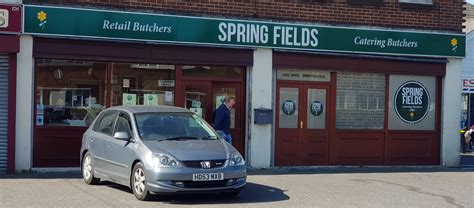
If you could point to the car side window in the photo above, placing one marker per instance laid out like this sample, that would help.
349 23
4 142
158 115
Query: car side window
123 124
107 122
96 124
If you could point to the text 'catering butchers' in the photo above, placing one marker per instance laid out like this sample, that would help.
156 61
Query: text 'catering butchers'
382 43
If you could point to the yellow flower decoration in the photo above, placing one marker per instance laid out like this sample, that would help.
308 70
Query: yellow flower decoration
41 16
454 42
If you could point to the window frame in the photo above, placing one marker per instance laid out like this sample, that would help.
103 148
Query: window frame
129 119
113 122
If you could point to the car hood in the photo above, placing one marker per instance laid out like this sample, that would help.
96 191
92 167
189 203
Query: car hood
185 150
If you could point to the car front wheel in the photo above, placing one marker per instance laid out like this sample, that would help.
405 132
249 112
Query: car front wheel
138 182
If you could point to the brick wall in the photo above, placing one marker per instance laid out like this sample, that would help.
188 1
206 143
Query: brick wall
360 101
444 15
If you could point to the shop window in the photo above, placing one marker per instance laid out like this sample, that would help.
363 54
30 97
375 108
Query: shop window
412 102
69 93
212 71
360 101
143 84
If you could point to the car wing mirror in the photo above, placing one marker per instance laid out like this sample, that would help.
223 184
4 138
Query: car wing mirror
122 135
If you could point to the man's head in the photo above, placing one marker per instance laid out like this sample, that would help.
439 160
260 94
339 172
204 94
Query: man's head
229 101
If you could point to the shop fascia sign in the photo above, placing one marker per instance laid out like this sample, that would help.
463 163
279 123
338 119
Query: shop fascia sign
10 18
87 23
468 85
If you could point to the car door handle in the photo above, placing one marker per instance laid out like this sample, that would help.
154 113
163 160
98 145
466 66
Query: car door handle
92 139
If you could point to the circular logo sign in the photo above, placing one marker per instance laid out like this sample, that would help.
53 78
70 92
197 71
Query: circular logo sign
316 108
150 98
289 107
129 97
412 101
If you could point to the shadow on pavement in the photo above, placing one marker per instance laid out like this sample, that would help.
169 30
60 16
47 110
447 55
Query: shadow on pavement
252 193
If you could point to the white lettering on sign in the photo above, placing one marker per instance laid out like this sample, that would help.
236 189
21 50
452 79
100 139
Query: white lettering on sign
3 18
243 33
256 33
382 43
135 26
412 96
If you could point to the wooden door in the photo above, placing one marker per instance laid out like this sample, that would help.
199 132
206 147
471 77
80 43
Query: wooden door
302 131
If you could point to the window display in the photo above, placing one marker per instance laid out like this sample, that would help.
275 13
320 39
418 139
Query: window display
143 84
68 93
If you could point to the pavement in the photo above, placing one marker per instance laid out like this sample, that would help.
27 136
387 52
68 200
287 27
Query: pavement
294 187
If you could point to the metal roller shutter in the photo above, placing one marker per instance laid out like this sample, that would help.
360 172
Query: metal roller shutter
3 112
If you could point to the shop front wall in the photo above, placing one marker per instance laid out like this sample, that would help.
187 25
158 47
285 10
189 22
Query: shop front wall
73 86
373 98
374 115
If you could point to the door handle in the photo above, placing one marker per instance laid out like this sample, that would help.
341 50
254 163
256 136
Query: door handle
301 124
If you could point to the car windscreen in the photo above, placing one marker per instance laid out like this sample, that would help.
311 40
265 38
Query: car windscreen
172 126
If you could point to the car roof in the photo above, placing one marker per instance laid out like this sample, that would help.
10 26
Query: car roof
151 109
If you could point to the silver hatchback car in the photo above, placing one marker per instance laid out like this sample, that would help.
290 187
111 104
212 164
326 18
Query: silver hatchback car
160 150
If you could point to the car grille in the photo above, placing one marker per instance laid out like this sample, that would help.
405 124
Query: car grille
205 184
197 163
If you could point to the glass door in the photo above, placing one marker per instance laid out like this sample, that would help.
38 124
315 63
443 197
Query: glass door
196 98
219 91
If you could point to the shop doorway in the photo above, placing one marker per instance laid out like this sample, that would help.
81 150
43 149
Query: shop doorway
302 121
203 97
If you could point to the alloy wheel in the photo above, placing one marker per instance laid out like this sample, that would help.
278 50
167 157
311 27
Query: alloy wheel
139 181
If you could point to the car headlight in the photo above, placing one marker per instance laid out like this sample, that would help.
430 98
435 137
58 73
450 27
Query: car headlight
165 161
236 159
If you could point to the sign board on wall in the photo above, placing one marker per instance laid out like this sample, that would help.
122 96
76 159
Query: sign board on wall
10 18
61 21
468 85
412 101
303 75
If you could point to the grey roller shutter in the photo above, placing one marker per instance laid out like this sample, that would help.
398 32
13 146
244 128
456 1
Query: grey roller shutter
3 112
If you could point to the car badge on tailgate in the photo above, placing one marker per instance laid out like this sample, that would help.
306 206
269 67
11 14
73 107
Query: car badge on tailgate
206 164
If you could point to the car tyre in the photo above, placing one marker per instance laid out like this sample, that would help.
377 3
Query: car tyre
88 170
138 183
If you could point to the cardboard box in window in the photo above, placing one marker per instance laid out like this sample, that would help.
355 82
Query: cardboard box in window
263 116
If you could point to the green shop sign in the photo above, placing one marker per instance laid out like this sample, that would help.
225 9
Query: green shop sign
58 21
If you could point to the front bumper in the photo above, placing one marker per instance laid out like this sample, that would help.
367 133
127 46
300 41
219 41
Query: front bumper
180 180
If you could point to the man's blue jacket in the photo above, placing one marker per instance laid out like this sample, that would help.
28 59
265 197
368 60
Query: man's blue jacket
222 119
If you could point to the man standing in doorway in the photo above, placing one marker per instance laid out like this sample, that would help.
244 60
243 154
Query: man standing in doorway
222 118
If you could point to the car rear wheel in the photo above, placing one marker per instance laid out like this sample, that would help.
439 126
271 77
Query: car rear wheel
138 182
88 170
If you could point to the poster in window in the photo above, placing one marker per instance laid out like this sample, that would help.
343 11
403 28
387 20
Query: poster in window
150 99
129 99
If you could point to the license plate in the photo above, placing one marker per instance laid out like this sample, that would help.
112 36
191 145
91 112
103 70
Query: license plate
208 177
